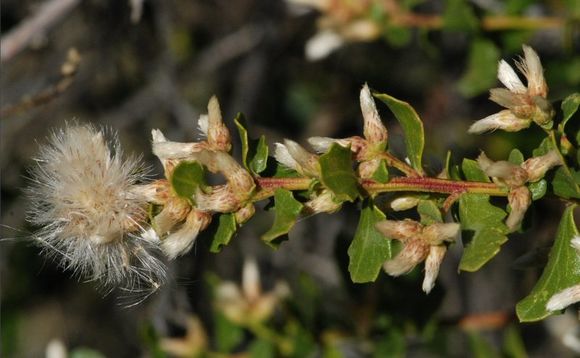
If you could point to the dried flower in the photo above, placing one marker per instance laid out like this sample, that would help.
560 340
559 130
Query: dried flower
322 202
83 196
520 200
420 243
524 105
181 240
248 305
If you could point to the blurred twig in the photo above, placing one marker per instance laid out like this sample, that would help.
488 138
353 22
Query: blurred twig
68 70
47 15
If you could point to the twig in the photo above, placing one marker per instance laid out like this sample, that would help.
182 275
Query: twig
68 70
47 16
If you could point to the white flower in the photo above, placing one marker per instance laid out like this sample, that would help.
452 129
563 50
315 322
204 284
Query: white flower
524 104
420 243
294 156
91 218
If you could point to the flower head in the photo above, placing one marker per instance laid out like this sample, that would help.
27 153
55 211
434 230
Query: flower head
295 157
420 243
524 104
82 196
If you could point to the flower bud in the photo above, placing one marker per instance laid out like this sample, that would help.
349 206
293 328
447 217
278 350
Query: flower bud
165 149
323 144
294 156
221 199
410 256
181 241
504 120
507 173
399 230
404 203
519 200
437 233
432 265
538 166
322 203
374 130
174 211
218 135
245 213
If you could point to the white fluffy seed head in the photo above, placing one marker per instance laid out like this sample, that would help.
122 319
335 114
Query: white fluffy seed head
81 197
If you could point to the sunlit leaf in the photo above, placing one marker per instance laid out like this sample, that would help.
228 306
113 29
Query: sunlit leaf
412 127
336 173
369 249
254 152
562 271
538 189
287 209
381 175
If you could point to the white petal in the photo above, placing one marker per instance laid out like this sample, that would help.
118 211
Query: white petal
322 44
509 78
564 298
283 156
404 203
203 124
432 264
374 130
505 120
251 280
534 73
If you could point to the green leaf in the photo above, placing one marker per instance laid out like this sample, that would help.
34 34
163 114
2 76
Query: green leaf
565 185
228 335
225 231
412 127
513 344
381 175
254 152
186 178
262 348
562 271
516 157
369 249
480 347
569 107
397 36
472 171
538 189
459 16
544 147
481 68
429 212
336 173
485 223
287 211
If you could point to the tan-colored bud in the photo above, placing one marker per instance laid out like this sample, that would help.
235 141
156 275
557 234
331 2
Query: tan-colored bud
156 192
181 241
399 230
175 210
538 166
404 203
374 130
413 253
165 149
218 135
367 168
437 233
245 213
505 120
322 203
432 265
507 173
241 182
294 156
323 144
519 200
221 199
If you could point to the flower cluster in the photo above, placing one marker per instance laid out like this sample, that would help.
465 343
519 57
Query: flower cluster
524 104
514 177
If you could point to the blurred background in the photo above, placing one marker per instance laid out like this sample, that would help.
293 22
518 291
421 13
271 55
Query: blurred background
294 68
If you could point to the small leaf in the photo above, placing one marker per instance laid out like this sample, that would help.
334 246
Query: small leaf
565 185
569 107
516 157
538 189
369 249
485 223
186 178
227 334
225 231
480 347
429 212
472 171
544 147
287 210
481 68
254 152
412 127
381 175
459 16
336 173
562 271
513 344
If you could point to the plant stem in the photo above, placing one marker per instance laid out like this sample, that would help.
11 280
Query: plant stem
267 186
395 162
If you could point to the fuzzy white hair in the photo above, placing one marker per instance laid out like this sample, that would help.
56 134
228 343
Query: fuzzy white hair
91 222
